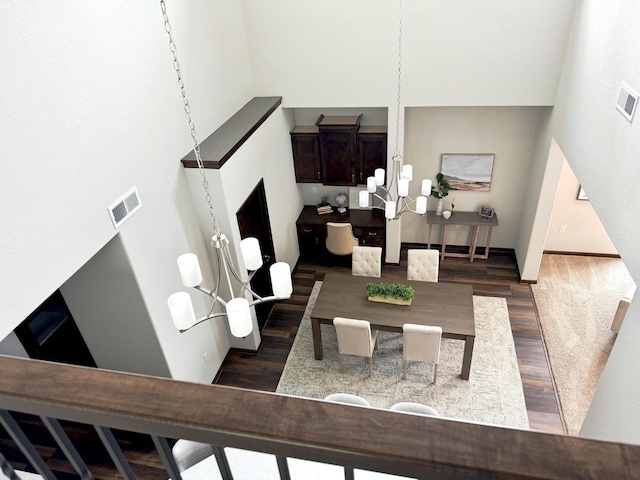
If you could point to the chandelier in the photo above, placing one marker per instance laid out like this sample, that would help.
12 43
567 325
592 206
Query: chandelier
395 199
237 310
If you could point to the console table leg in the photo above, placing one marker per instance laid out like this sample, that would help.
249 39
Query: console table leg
473 243
444 241
429 237
317 338
466 358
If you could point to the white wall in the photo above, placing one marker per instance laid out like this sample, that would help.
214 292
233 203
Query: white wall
266 154
105 302
336 53
507 132
91 107
602 148
584 232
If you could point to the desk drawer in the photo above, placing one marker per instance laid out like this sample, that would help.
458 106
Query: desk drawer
373 237
310 230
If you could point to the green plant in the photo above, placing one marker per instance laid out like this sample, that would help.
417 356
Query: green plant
404 292
324 200
441 189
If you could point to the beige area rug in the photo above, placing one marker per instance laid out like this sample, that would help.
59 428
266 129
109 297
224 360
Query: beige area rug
493 394
576 298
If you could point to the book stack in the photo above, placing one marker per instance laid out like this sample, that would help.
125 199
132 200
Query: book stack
322 209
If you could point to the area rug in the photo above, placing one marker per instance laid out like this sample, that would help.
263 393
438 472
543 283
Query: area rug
576 298
493 394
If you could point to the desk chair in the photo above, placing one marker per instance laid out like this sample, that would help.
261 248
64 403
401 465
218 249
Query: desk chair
340 239
355 338
423 265
421 343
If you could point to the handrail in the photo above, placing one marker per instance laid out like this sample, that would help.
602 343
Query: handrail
367 438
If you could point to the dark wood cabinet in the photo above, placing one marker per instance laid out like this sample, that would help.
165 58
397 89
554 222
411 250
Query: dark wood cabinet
372 150
338 151
368 228
338 147
306 154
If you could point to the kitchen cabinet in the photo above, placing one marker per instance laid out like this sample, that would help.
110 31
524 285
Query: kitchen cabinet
372 150
306 154
338 148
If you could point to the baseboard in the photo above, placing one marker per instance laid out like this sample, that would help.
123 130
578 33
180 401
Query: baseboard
581 254
529 282
226 357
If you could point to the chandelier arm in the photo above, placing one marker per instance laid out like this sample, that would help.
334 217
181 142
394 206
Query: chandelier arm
203 319
245 284
271 298
212 294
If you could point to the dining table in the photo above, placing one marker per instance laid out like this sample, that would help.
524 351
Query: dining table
443 304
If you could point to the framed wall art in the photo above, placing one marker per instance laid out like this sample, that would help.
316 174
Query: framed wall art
471 172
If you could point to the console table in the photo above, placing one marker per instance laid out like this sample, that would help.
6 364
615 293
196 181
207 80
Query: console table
368 228
463 218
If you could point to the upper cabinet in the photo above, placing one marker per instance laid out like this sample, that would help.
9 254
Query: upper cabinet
338 151
372 150
338 148
306 154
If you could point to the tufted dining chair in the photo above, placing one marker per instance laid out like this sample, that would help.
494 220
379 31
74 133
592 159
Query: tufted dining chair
366 261
355 338
423 265
413 407
421 343
340 239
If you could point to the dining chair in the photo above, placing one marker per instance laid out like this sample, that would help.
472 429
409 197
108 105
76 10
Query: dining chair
423 265
413 407
347 398
187 453
366 261
421 343
340 239
355 338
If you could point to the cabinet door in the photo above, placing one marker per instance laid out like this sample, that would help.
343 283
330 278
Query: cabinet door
306 158
372 154
338 151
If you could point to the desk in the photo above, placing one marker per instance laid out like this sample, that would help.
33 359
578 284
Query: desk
448 305
368 228
463 218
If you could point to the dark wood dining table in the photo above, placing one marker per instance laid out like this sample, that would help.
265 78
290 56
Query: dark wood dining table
448 305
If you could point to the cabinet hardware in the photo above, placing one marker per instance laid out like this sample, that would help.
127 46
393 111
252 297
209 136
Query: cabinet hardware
307 230
318 175
361 176
372 234
353 178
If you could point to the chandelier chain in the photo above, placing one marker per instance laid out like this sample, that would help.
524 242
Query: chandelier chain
397 152
187 112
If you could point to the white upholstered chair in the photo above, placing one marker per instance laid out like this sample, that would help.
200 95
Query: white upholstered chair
355 338
340 239
366 261
423 265
623 306
187 453
412 407
347 398
421 343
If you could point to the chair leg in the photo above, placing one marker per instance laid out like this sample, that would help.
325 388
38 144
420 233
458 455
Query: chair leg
404 374
377 345
435 372
341 364
370 365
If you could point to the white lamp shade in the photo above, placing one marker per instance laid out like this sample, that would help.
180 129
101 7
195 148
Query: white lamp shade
390 210
251 254
239 316
379 176
363 198
181 310
421 205
281 279
426 187
403 187
190 270
371 184
407 172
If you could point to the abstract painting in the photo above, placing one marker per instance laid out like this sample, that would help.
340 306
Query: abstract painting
470 172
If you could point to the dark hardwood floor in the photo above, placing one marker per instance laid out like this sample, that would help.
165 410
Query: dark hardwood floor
496 276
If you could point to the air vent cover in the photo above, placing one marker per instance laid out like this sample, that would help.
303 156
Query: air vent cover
124 207
627 100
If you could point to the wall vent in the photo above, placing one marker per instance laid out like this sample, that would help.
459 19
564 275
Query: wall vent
124 207
627 100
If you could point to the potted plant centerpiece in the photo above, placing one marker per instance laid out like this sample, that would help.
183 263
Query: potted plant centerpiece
390 293
439 191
